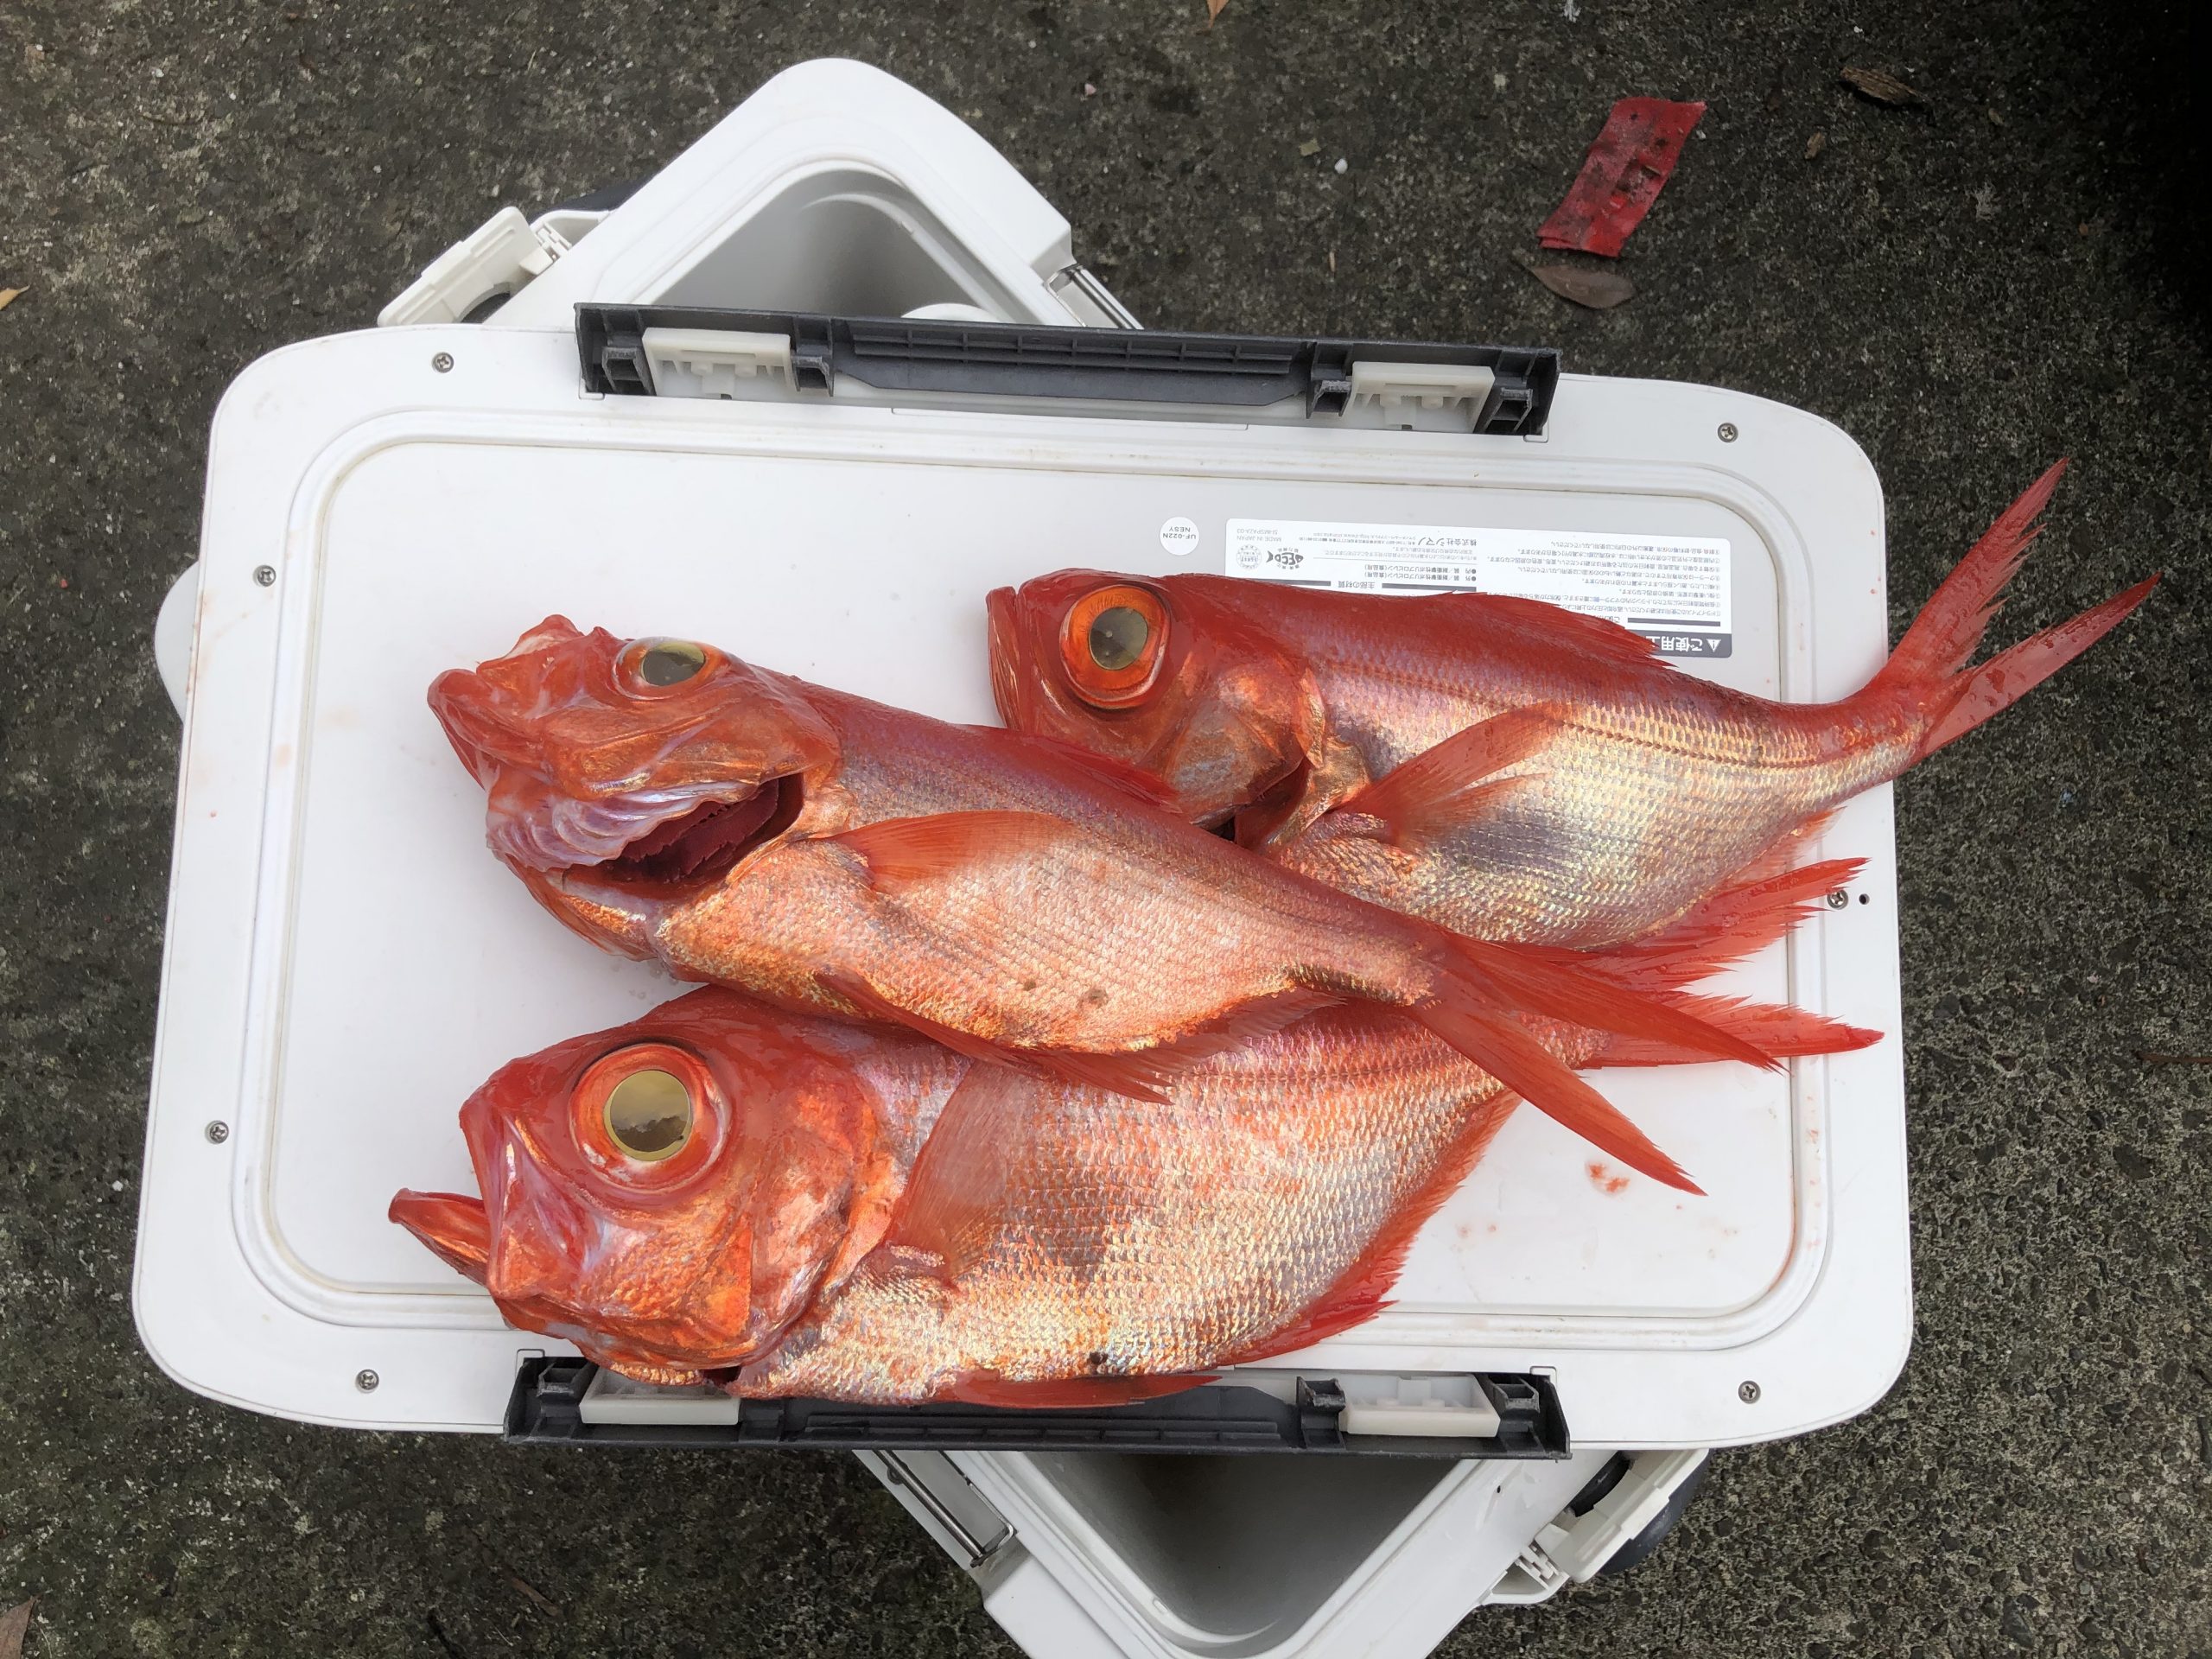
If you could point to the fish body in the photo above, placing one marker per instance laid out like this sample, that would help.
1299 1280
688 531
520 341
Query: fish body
987 889
855 1213
1498 765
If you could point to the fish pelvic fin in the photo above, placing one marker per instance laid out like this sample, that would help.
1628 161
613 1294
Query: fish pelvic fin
1931 663
1448 785
1141 1074
987 1387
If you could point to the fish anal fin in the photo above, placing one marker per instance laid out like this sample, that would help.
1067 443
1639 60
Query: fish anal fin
1506 1049
1364 1288
1782 855
903 851
1446 785
985 1388
1738 921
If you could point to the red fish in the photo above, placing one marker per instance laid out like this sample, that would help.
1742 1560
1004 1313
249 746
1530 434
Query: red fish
787 1203
1503 767
1008 897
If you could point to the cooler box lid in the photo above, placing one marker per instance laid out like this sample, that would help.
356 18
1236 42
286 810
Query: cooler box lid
346 961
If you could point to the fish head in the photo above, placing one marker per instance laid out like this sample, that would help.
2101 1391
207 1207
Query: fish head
668 1195
1157 674
622 775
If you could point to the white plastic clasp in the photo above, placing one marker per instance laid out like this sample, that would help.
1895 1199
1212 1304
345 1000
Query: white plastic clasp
1399 391
714 362
498 256
1581 1544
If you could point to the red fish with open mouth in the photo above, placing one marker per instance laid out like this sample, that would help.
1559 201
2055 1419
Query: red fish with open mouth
787 1203
1013 899
1505 768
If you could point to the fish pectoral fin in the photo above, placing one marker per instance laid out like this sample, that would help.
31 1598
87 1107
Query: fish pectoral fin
958 1199
1448 786
902 852
982 1388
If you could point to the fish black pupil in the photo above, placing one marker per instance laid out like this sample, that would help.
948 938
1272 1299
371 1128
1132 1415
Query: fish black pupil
671 663
1118 636
649 1113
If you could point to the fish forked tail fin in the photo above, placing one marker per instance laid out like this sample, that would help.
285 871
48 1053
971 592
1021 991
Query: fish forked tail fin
1475 1003
1933 658
1786 1032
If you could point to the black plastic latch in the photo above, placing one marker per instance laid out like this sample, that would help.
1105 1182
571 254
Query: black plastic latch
1320 1407
547 1407
1514 387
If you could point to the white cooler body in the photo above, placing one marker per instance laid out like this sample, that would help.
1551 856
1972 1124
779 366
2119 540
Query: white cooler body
346 962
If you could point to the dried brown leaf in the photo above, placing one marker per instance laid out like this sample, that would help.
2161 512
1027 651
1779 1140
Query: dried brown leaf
14 1624
1815 144
1214 9
307 66
533 1593
9 296
1599 291
1882 87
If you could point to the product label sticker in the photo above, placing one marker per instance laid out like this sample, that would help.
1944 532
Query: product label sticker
1180 536
1673 589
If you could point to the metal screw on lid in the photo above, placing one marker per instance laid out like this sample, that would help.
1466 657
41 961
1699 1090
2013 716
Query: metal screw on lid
217 1132
1838 898
366 1381
1748 1392
1727 431
265 575
442 362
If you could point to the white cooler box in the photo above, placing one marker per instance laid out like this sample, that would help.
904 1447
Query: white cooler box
346 962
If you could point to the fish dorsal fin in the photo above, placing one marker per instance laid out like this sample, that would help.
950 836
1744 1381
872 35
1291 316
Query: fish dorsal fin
1087 764
1555 625
1445 787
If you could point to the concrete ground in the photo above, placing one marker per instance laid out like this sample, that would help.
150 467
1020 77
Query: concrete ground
2010 273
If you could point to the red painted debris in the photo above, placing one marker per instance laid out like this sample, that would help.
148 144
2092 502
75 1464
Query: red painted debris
1621 176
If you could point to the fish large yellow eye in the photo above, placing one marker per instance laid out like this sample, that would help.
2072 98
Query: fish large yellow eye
1117 637
648 1115
1113 641
670 662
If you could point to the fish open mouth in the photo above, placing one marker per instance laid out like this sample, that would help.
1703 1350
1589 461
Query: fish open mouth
706 842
